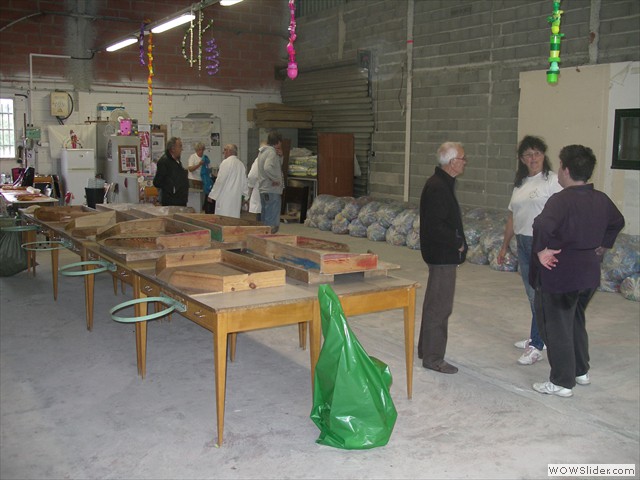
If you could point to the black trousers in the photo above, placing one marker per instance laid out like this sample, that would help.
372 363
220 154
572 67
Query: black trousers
562 324
436 309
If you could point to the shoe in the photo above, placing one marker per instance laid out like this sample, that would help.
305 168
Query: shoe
523 344
583 379
442 367
552 389
530 356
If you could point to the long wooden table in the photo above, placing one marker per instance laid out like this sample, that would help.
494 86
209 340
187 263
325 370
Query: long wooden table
226 314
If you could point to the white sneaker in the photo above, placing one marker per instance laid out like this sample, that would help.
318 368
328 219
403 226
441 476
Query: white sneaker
523 344
583 379
552 389
530 356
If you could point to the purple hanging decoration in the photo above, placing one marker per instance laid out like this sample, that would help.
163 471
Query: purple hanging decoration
141 43
212 57
292 68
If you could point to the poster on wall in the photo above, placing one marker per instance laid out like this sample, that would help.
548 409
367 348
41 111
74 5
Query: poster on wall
195 128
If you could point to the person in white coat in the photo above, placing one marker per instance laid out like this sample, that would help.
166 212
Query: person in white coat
231 185
255 205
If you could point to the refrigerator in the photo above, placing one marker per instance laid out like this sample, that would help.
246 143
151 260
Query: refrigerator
77 167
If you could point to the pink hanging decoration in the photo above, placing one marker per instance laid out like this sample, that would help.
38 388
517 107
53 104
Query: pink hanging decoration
212 57
292 68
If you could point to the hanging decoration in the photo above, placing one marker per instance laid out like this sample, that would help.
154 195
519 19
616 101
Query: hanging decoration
554 48
212 57
192 58
292 68
141 41
150 77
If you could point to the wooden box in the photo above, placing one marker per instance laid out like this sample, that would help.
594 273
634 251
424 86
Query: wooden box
311 253
89 225
147 210
224 229
215 271
62 214
143 239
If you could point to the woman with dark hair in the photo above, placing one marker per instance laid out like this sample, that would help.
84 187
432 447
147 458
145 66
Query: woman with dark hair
533 185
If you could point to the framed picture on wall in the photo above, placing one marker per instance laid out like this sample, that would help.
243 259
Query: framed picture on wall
128 159
626 139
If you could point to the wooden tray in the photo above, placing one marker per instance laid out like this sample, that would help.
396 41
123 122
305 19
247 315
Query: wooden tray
148 238
216 271
147 210
311 253
62 214
89 225
224 229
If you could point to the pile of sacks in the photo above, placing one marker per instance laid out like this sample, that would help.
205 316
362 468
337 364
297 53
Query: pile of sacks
398 224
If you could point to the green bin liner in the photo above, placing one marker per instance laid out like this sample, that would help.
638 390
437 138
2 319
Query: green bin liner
13 258
352 405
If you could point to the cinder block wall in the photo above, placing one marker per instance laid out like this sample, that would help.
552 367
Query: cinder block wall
467 57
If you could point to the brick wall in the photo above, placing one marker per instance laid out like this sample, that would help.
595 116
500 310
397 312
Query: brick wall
467 58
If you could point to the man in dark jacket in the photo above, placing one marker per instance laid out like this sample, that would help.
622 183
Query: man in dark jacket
570 236
443 247
171 177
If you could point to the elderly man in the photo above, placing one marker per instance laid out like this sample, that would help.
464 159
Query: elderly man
231 185
443 247
570 236
171 177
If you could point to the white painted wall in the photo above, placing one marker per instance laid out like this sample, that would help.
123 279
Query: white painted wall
580 109
230 107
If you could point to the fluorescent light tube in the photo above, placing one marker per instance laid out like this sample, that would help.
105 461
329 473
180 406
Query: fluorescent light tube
173 23
124 43
228 3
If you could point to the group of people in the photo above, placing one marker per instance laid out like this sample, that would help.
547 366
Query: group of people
563 226
260 191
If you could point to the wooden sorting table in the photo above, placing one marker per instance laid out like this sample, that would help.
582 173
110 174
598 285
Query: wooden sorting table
226 314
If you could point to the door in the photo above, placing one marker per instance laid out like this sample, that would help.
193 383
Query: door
335 164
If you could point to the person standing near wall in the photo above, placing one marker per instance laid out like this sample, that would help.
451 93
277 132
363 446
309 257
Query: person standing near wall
171 177
443 247
230 187
534 184
255 206
193 165
271 181
570 236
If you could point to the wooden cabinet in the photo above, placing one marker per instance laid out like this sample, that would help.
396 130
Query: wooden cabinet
335 164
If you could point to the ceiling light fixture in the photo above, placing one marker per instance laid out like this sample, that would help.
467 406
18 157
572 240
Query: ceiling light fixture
228 3
163 27
121 44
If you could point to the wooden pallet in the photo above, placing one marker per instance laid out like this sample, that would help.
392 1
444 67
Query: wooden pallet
311 253
217 271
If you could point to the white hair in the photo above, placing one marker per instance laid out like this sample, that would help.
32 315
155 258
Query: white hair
447 152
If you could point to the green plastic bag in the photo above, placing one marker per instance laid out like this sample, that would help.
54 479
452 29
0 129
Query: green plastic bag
352 405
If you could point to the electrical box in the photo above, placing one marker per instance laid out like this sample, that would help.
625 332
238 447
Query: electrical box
60 104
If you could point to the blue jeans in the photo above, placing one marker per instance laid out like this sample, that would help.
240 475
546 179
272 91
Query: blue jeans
524 258
270 214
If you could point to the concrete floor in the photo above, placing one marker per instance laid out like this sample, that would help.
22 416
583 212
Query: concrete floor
72 405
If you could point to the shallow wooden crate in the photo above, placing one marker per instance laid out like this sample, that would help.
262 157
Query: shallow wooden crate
62 214
311 253
89 225
147 210
217 271
224 229
149 238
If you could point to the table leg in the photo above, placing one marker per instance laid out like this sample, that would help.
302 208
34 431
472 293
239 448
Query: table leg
315 327
29 237
302 335
141 329
89 282
115 284
220 364
233 337
54 272
409 335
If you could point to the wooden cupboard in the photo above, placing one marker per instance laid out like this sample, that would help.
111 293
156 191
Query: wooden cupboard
335 164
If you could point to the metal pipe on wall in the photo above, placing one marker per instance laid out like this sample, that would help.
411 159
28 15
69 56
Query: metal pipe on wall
407 127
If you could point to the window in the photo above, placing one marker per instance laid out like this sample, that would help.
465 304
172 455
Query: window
626 139
7 129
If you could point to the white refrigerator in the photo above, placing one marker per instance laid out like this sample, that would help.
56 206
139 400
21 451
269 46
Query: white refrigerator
77 167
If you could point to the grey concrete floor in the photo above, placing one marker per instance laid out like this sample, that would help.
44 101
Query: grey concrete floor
73 406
